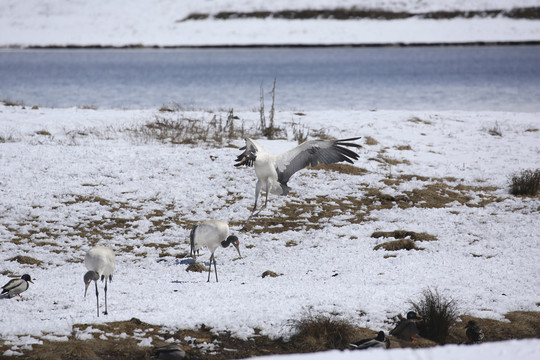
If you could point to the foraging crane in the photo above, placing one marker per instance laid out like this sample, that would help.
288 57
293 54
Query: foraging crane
100 263
17 286
212 234
407 329
378 342
274 171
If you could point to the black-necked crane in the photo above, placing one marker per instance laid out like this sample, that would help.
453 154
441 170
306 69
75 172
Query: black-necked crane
274 171
17 286
212 234
380 341
100 263
407 329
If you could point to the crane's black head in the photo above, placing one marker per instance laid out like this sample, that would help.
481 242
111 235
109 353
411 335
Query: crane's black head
232 239
380 336
88 278
27 277
411 315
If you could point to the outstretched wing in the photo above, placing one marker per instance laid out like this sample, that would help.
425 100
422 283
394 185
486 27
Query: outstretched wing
312 153
249 153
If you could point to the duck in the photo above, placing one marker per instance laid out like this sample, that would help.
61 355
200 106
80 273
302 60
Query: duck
474 332
407 329
169 352
17 286
380 341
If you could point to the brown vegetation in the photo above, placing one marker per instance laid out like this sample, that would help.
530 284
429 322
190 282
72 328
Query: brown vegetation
355 13
403 244
525 183
311 333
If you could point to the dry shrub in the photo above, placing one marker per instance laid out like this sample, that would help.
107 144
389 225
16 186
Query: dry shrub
196 267
185 130
403 234
403 244
495 130
320 332
22 259
525 183
439 314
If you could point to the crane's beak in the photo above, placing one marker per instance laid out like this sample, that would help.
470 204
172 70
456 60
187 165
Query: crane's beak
86 287
236 245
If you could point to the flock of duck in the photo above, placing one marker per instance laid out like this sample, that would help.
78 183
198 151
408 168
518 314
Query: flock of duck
273 172
408 329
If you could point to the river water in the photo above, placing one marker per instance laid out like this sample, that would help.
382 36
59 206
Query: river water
500 78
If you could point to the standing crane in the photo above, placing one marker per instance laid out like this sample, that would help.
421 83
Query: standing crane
100 264
212 234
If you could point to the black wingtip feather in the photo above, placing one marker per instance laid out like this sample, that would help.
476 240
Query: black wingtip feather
349 139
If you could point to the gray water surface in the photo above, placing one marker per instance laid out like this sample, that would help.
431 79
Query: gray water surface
505 78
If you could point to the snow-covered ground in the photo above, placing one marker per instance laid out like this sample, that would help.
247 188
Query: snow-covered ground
72 177
523 350
157 22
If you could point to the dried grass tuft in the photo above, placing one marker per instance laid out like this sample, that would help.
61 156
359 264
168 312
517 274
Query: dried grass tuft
525 183
439 314
320 332
403 234
403 244
27 260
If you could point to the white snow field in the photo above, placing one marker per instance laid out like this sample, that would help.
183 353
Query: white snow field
71 178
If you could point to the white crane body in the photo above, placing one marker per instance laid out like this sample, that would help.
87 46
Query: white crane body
100 262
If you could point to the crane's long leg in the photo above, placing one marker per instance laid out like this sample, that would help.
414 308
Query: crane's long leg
265 201
257 191
97 298
210 266
215 268
105 313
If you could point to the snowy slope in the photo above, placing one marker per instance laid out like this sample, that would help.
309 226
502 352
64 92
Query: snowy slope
157 22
